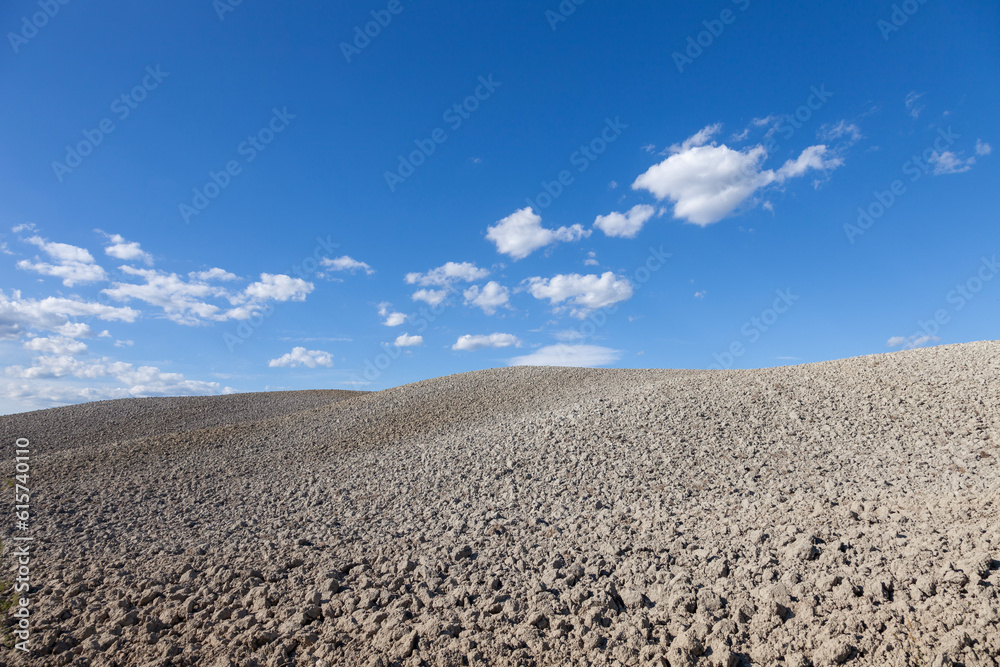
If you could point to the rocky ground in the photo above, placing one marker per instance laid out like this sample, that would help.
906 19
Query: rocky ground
837 513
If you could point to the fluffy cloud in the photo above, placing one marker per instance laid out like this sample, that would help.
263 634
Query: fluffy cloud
582 293
300 356
471 343
71 263
278 287
491 296
406 340
213 274
18 315
707 182
128 251
431 297
60 345
584 356
346 263
181 300
116 379
447 274
392 319
625 225
521 233
983 148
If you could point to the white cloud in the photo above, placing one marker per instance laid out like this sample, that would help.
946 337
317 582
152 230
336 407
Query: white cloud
591 259
983 148
583 293
699 138
213 274
55 345
949 163
432 297
585 356
706 183
300 356
700 294
278 287
910 342
392 319
72 263
124 343
913 106
521 233
471 343
182 301
127 251
406 340
346 263
18 315
115 379
447 274
491 296
625 225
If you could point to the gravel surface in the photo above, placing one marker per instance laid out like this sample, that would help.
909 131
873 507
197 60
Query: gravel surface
837 513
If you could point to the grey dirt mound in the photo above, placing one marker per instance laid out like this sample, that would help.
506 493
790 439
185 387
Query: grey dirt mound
836 513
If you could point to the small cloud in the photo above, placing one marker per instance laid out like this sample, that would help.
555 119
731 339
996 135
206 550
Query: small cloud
625 225
472 343
582 356
447 274
392 319
983 148
521 233
213 274
124 343
55 345
591 259
346 263
839 130
612 185
910 342
431 297
913 106
407 340
491 296
700 294
649 148
127 251
300 356
950 163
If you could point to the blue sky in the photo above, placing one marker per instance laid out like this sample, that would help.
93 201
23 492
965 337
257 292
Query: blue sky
204 197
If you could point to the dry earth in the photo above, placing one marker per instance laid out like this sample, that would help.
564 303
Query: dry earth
837 513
